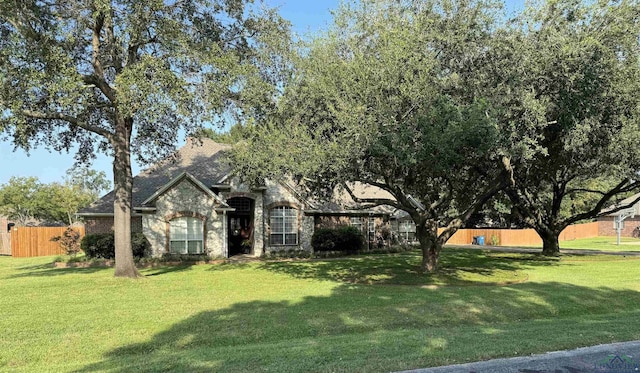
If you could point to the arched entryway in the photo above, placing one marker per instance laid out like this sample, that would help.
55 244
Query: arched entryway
240 226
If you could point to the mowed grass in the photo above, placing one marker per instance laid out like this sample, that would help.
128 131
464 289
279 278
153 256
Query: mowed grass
360 314
603 243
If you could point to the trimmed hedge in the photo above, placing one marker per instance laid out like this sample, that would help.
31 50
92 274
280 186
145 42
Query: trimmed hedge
344 238
102 246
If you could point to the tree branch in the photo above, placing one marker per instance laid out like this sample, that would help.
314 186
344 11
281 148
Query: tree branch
69 119
622 187
372 202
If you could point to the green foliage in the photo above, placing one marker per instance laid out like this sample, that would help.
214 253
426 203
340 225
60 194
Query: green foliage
344 238
28 201
182 258
235 134
74 69
127 78
69 241
578 61
97 246
22 199
494 240
379 99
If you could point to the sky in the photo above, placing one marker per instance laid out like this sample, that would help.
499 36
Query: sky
306 16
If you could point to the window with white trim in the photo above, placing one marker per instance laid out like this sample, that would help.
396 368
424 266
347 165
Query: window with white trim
283 222
407 230
356 222
186 236
372 225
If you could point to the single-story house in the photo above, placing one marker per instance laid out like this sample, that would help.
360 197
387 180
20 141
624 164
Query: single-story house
631 224
192 204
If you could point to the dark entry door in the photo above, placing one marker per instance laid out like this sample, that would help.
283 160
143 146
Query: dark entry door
240 223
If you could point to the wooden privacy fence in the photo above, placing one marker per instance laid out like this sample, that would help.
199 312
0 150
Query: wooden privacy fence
36 241
521 237
5 243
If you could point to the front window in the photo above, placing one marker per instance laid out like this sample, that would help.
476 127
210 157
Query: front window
284 226
407 231
356 222
186 236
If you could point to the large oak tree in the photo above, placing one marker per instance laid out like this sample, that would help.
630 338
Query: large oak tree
376 100
123 77
581 64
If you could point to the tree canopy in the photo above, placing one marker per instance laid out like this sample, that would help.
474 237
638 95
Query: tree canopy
28 201
444 103
126 78
581 64
377 100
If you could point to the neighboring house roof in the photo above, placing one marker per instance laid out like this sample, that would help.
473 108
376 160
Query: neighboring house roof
626 201
200 159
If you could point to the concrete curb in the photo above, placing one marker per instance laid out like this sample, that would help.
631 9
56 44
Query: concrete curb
597 359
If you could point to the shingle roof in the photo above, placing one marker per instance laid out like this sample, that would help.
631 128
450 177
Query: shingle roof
624 202
341 201
202 159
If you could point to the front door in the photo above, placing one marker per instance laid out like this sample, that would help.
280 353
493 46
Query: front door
240 223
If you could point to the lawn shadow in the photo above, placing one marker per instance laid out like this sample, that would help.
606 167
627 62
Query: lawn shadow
49 271
165 269
229 266
457 267
363 328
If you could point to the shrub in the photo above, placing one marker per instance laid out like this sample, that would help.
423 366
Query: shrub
344 238
69 241
494 240
103 245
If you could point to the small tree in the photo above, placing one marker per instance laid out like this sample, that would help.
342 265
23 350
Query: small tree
69 241
23 200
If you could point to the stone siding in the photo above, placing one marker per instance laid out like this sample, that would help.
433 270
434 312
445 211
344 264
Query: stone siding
242 190
184 199
278 195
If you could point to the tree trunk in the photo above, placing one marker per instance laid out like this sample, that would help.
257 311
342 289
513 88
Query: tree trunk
430 247
123 186
550 242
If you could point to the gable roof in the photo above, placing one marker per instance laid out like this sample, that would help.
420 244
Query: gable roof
201 159
178 179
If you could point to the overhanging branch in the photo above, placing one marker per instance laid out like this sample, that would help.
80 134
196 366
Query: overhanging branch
371 202
622 187
69 119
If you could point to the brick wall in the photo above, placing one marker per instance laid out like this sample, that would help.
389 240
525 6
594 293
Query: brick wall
104 224
605 226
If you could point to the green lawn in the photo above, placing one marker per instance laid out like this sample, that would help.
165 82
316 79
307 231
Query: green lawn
603 243
365 314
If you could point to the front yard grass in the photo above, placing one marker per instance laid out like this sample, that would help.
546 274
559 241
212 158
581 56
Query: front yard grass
361 314
603 243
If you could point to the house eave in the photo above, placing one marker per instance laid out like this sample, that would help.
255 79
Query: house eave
102 214
345 212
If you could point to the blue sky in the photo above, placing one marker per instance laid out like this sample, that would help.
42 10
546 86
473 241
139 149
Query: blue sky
306 16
